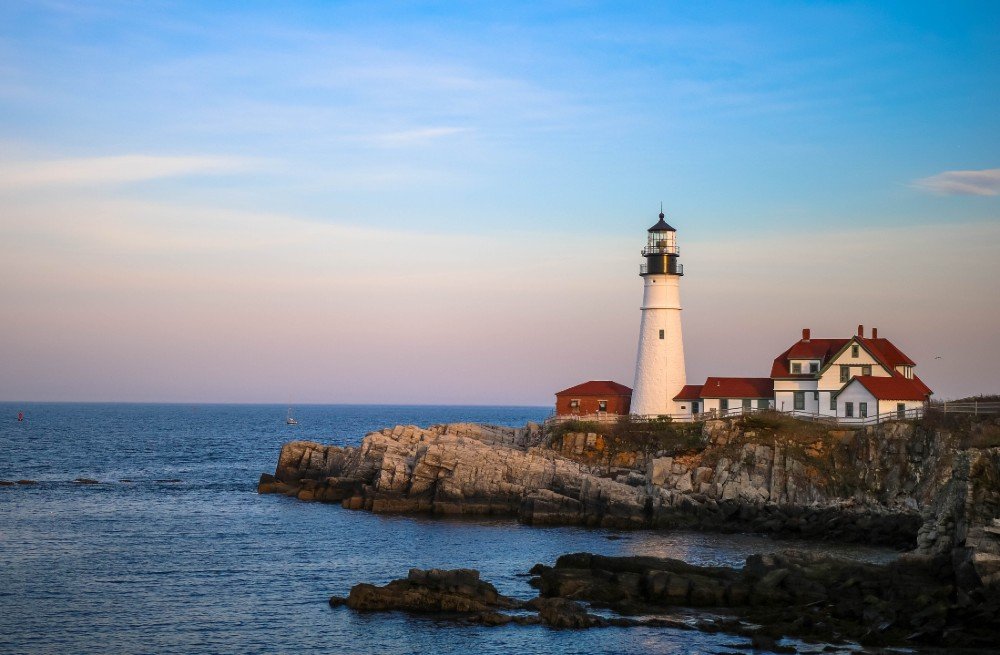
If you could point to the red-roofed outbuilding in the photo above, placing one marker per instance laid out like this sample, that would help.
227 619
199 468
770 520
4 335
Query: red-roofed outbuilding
594 397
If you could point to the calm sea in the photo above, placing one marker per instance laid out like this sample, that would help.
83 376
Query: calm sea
187 558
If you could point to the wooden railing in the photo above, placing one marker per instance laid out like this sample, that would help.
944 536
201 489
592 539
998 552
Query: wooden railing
974 407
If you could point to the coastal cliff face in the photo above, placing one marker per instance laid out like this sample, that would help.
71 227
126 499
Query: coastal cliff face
899 484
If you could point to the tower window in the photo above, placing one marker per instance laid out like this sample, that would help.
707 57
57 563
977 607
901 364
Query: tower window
662 333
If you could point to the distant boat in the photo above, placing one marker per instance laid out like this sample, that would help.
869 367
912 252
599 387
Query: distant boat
20 416
290 420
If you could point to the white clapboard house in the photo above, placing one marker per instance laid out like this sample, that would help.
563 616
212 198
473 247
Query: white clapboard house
855 378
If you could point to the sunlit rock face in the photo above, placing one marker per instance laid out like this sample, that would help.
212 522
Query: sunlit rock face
898 484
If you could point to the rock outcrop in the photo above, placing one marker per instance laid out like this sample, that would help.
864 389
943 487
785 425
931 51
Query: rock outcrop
457 469
897 484
914 600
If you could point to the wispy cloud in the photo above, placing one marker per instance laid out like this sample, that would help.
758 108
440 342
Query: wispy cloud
119 169
985 182
416 137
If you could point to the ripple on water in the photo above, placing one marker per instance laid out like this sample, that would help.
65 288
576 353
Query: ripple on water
207 565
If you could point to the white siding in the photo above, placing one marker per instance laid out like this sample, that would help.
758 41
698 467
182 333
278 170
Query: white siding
830 380
659 367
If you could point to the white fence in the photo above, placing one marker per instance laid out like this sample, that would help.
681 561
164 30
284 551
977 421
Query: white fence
855 421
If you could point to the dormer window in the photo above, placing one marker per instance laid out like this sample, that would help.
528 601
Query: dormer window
813 367
796 368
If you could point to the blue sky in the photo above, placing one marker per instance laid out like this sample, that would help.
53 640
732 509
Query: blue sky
443 202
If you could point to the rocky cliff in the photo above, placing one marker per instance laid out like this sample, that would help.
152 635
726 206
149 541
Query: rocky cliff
900 483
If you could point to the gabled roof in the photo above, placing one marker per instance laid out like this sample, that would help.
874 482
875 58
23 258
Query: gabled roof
661 226
689 392
597 388
886 352
737 388
896 387
882 351
821 349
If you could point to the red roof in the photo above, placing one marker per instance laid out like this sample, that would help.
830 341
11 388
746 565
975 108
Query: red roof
883 350
895 388
597 388
737 388
689 392
886 352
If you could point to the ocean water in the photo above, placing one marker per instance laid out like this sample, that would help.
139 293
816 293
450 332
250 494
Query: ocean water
185 557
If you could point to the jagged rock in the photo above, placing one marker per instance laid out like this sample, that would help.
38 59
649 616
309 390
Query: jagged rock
430 591
795 593
896 484
563 613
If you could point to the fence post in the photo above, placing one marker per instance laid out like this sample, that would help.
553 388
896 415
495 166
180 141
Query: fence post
975 408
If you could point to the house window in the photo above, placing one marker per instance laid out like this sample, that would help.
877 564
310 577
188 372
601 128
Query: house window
845 373
662 333
724 404
602 405
833 402
746 403
863 410
849 410
866 370
900 410
855 351
816 396
799 400
763 403
694 407
574 404
796 368
813 367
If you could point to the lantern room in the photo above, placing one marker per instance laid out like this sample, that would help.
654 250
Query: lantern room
661 251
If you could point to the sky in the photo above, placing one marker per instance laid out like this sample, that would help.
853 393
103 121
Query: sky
444 203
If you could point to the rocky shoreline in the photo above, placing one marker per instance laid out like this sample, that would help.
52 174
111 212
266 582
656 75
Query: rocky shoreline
911 486
912 602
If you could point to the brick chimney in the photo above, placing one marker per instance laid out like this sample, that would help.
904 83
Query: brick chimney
861 330
805 334
874 333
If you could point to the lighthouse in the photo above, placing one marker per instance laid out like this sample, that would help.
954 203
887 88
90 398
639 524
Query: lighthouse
659 366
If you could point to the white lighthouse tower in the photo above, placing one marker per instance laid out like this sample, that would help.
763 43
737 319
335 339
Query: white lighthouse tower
659 366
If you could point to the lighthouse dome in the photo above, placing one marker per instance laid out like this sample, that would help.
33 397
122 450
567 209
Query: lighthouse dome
661 226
